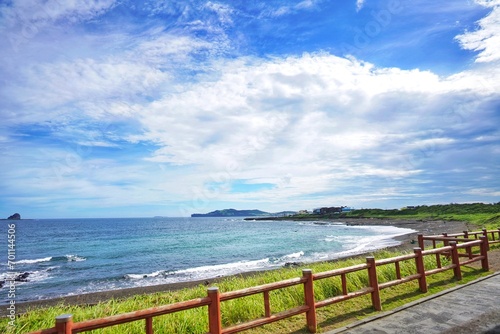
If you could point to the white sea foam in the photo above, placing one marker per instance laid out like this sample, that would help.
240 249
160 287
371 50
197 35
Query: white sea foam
75 258
210 271
321 223
330 238
352 245
34 276
40 275
45 259
161 273
293 256
69 258
136 276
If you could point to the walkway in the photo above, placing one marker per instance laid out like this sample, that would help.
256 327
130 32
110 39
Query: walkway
475 308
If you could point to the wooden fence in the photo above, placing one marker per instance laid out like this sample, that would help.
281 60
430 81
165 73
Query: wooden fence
453 244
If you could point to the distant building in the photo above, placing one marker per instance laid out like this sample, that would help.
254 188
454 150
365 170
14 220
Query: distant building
303 212
328 210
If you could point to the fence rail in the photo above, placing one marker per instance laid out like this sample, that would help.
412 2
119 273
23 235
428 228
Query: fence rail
492 236
453 243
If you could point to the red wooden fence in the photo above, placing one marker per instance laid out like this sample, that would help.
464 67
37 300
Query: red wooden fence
452 246
493 237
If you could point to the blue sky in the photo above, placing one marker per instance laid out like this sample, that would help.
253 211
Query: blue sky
132 108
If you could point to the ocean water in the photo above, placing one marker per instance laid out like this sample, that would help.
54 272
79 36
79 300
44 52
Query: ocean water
74 256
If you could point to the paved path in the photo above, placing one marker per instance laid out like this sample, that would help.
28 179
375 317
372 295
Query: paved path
467 309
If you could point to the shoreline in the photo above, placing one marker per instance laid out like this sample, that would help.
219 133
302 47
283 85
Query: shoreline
426 227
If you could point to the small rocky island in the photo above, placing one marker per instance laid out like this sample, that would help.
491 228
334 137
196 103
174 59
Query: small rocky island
15 216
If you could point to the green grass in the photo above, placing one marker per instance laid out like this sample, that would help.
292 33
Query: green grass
479 214
251 307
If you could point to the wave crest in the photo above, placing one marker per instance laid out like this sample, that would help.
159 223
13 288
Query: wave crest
69 258
45 259
210 271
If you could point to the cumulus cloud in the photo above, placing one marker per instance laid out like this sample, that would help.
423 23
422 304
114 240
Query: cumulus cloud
100 86
485 40
324 120
164 115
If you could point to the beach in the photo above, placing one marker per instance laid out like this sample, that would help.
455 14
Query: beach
408 242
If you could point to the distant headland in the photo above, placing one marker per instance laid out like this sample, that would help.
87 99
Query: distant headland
452 211
241 213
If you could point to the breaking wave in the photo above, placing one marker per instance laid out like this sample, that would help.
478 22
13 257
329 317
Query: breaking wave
45 259
211 271
69 258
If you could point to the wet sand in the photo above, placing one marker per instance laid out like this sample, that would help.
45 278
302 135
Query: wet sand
426 227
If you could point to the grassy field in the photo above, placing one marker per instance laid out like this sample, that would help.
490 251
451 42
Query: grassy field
480 214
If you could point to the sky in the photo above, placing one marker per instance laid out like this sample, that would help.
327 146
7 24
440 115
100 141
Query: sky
168 108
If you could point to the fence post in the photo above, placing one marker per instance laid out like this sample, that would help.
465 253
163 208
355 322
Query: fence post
419 262
309 299
64 324
455 260
372 276
468 249
485 234
267 304
420 237
484 253
214 318
149 325
446 242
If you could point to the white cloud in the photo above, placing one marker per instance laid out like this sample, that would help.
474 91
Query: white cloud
326 122
224 12
100 86
323 120
484 192
306 4
359 4
316 126
22 21
486 39
287 10
33 12
488 3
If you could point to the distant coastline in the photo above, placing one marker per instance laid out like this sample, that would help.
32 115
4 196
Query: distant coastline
241 213
16 220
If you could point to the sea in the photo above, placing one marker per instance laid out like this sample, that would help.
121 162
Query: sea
64 257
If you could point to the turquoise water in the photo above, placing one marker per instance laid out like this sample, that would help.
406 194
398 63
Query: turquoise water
73 256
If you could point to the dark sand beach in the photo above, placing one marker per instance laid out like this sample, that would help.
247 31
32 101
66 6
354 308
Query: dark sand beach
426 227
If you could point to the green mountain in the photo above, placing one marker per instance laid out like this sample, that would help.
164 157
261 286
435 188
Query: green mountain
232 213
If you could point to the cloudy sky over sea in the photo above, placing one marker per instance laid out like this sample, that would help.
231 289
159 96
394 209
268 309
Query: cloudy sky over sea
141 108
